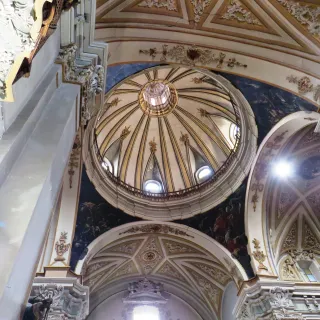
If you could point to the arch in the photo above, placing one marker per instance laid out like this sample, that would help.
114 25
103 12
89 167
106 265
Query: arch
191 265
259 238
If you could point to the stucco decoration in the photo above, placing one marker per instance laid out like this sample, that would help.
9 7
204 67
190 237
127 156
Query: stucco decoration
199 7
236 11
305 86
16 22
193 55
166 4
180 261
90 77
307 14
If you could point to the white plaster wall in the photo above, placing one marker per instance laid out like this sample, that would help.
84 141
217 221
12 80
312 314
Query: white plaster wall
112 308
229 300
24 88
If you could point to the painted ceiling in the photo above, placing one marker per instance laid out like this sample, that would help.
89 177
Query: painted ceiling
224 222
283 25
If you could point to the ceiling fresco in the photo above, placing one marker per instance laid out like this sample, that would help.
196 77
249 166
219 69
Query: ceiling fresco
225 222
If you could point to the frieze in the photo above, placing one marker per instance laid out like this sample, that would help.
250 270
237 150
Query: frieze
192 55
166 4
156 228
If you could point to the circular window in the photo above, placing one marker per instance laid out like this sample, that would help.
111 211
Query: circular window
152 186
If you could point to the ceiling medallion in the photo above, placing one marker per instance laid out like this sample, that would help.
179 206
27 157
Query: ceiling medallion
158 98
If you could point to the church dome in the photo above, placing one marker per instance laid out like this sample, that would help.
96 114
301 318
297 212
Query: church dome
170 142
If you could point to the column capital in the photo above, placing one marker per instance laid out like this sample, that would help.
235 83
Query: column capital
275 300
70 298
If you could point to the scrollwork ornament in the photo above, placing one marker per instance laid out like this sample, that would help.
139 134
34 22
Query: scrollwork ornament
280 298
16 22
54 292
90 77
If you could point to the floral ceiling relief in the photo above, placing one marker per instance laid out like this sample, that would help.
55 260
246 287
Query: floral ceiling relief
307 15
199 7
305 85
166 4
236 11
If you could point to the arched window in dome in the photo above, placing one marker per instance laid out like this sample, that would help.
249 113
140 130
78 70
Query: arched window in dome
204 173
153 186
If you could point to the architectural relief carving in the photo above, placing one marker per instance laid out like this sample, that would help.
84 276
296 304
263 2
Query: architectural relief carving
170 271
156 228
236 11
298 255
310 240
210 290
288 270
167 4
259 255
307 15
173 247
70 299
150 255
54 292
61 247
192 55
90 77
215 273
291 238
199 7
16 21
305 85
280 298
129 247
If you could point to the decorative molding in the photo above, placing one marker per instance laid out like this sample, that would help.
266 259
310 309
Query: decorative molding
259 255
305 85
236 11
192 55
74 159
156 228
61 247
199 7
91 79
307 15
166 4
280 298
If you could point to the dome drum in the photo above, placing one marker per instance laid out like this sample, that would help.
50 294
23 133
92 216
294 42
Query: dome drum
204 126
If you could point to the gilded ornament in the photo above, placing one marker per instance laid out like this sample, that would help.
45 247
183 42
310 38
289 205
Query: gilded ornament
236 11
306 86
199 8
307 15
153 146
192 55
125 132
156 228
167 4
197 80
259 255
74 159
62 247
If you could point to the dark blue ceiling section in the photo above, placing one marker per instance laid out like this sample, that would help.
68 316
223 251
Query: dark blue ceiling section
225 223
